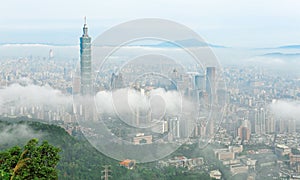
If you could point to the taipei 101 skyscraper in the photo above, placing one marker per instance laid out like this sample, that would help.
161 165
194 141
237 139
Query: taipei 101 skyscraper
85 62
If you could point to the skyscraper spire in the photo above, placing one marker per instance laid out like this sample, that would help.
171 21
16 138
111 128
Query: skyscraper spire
85 28
86 88
85 62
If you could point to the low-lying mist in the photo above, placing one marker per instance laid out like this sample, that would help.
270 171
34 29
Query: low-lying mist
17 133
286 109
32 95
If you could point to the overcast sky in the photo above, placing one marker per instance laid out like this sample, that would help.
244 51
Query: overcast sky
233 23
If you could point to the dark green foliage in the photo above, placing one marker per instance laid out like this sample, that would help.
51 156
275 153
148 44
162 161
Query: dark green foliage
256 147
80 160
8 160
167 173
32 162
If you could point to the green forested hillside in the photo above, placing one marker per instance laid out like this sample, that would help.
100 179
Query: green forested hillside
78 159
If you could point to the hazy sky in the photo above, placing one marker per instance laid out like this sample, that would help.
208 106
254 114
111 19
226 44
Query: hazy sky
252 23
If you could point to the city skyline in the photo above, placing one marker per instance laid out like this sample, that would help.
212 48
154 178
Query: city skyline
152 90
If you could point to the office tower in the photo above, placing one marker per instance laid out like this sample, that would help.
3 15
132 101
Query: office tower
86 89
85 62
211 92
210 80
116 81
200 82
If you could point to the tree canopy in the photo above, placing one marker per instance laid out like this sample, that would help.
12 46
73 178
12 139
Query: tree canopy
33 161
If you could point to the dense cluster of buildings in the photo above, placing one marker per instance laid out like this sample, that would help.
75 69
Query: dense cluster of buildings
182 161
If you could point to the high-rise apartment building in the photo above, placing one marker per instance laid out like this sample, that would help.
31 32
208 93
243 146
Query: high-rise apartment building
260 121
244 131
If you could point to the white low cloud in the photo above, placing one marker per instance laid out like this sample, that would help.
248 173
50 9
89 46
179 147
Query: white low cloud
144 109
286 109
266 61
32 95
16 133
127 100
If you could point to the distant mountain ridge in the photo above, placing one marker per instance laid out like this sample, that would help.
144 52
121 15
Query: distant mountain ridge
185 43
290 47
34 44
279 54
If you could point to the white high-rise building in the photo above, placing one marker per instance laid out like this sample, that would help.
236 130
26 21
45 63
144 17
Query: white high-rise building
260 121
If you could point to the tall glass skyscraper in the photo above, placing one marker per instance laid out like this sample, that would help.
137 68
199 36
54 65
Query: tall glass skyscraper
210 80
85 62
